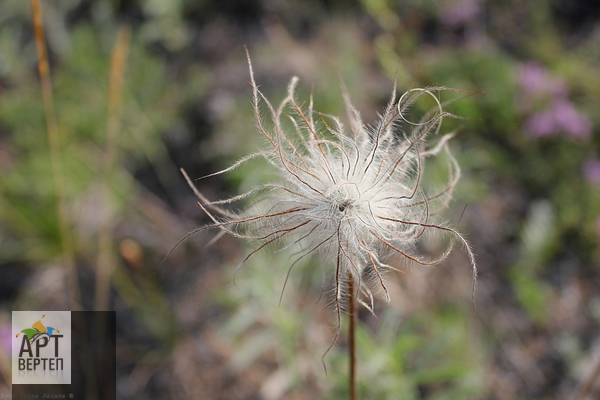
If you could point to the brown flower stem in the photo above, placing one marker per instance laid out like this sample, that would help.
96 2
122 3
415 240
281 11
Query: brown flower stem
352 310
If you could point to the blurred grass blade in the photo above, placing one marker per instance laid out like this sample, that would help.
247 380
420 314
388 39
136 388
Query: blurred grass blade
55 157
106 255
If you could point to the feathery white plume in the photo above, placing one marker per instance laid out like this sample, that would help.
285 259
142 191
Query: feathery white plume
352 194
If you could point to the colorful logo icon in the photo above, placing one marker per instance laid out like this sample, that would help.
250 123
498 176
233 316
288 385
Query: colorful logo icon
37 331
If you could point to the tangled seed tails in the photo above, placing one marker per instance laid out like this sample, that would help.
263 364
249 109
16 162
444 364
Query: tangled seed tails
353 195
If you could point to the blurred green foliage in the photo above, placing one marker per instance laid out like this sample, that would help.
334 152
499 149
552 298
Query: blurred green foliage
81 82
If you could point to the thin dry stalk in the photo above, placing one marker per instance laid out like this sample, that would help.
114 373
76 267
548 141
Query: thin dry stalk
353 311
54 140
106 254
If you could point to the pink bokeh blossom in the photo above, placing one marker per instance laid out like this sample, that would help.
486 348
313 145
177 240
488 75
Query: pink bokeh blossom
536 81
560 116
570 120
541 124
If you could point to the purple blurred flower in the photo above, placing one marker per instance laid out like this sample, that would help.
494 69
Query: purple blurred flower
459 13
535 80
560 116
570 120
541 124
532 77
591 171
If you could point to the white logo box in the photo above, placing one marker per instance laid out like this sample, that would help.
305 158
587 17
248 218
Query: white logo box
41 347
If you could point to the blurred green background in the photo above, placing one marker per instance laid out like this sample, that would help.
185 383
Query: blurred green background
530 156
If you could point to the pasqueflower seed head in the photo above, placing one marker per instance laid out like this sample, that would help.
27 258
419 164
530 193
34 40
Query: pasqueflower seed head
351 193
